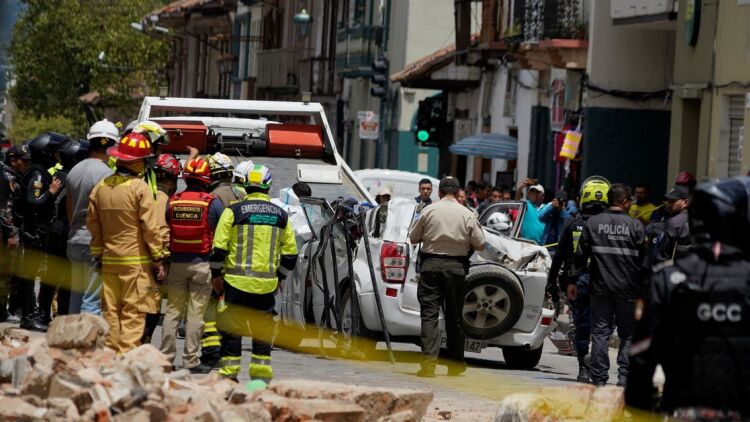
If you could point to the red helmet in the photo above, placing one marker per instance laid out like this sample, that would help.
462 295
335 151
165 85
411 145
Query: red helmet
132 147
197 169
169 165
685 178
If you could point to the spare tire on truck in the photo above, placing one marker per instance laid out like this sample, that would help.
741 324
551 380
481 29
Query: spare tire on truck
492 301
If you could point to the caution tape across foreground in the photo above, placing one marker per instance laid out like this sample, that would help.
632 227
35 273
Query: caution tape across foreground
326 343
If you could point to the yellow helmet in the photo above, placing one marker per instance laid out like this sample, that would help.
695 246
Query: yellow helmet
594 193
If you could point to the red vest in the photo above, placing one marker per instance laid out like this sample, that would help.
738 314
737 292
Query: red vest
188 223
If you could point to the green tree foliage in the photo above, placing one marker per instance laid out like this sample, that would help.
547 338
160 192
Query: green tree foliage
27 126
55 50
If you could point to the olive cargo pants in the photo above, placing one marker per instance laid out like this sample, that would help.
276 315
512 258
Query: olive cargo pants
441 284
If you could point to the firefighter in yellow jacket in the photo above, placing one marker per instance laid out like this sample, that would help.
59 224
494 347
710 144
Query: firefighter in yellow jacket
253 249
127 236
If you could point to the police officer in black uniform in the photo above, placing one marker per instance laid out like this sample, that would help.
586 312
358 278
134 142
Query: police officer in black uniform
576 286
697 320
613 251
38 192
670 237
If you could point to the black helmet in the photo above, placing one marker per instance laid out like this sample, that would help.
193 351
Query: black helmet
71 153
43 148
719 213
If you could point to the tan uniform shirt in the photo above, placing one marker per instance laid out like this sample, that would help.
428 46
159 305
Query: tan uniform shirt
127 227
228 194
447 228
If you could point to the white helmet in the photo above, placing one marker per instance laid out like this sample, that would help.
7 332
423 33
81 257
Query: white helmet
221 166
153 130
103 129
240 172
499 222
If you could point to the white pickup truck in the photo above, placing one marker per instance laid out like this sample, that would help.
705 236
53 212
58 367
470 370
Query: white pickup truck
242 130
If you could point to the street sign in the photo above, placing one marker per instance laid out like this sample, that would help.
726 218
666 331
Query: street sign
369 124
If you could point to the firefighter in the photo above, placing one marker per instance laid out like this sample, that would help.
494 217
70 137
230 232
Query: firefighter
158 137
221 177
166 170
254 244
593 201
126 236
222 172
192 216
38 193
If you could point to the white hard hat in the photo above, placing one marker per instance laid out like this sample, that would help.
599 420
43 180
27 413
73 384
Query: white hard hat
240 172
103 129
499 222
386 190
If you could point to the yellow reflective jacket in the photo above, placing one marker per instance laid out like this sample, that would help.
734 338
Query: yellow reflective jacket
127 227
255 233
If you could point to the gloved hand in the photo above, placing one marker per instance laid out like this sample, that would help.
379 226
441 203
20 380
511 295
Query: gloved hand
218 284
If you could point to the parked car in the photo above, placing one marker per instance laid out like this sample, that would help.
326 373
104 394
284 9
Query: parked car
503 303
405 184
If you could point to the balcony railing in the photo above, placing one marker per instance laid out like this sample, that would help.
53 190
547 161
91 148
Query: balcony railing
279 69
632 9
536 20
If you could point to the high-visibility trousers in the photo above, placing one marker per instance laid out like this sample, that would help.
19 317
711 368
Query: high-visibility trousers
247 314
211 338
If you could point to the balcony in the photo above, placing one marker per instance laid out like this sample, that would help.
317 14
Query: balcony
549 33
655 14
279 70
356 49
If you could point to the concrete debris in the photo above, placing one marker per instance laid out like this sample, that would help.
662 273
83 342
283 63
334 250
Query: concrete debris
80 331
574 403
69 374
376 402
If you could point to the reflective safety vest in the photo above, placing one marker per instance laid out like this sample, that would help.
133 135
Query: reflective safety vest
255 233
188 223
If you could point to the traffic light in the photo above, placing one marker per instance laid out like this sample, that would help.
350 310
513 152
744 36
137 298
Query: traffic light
379 78
431 121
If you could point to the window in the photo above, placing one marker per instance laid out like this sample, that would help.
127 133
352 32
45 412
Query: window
509 106
357 13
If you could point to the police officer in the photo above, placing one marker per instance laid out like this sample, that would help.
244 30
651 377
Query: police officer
17 160
593 201
449 232
38 193
670 237
8 231
254 247
612 250
697 320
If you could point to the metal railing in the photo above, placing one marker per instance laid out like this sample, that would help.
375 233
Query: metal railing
535 20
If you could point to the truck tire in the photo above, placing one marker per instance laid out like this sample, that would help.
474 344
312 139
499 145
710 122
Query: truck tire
354 339
519 358
492 302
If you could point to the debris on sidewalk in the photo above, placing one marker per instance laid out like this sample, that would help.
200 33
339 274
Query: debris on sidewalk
578 402
71 375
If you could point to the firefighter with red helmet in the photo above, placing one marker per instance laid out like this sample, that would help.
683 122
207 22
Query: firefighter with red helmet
127 238
192 216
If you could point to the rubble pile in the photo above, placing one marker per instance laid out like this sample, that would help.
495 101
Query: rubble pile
71 375
579 402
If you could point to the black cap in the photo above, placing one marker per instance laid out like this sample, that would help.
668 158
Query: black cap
449 184
18 151
678 192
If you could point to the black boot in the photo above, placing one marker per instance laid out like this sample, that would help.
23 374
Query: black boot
32 324
584 375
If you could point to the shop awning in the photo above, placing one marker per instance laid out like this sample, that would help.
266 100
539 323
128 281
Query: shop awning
487 145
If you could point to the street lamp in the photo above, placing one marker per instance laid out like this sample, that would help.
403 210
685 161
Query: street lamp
302 21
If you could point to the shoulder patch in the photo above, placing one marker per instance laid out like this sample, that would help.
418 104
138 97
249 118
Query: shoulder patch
662 265
38 184
677 277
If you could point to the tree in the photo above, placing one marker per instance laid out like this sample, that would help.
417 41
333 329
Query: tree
55 50
26 126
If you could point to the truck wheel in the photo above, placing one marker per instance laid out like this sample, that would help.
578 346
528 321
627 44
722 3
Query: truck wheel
354 339
518 358
492 302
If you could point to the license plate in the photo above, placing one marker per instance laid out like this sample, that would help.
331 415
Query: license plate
471 345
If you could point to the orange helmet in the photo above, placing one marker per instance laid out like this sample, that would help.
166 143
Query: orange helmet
132 147
197 169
